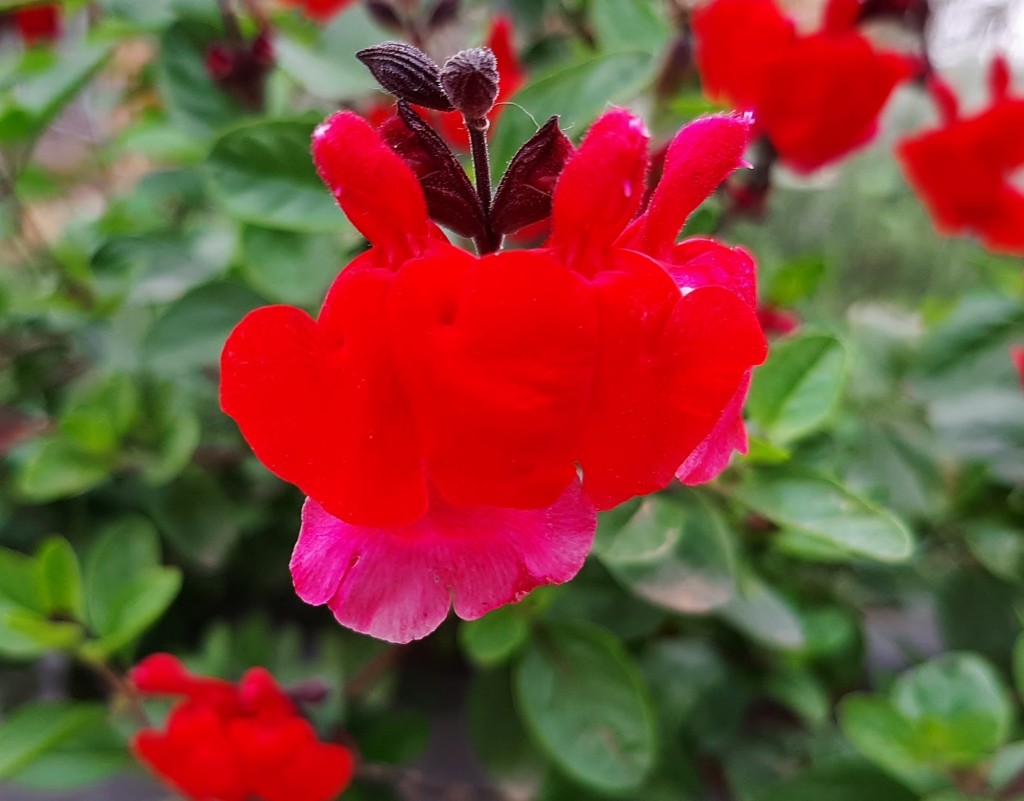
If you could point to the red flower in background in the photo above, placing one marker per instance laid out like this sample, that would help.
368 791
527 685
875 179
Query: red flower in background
1017 355
816 97
512 77
320 10
436 410
964 170
228 743
38 24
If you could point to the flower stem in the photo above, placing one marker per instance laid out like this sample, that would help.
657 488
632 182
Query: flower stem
489 242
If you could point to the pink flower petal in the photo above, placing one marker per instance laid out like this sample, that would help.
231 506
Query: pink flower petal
397 584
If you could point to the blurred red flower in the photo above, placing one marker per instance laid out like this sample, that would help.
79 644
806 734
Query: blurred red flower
235 743
38 24
964 170
816 97
1017 355
320 10
436 410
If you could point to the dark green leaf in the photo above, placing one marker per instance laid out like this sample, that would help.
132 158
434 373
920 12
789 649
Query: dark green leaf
36 728
60 578
493 638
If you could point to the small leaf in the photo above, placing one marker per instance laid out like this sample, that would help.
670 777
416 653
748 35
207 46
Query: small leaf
794 392
820 508
288 266
764 615
493 639
60 578
671 551
586 706
124 550
36 728
262 174
18 585
58 469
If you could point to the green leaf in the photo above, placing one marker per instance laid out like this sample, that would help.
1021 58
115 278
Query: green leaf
579 93
764 615
36 728
998 546
193 100
58 469
197 518
795 281
1007 765
795 391
958 707
192 330
493 639
25 634
137 607
327 67
628 25
505 750
93 753
98 415
883 735
60 578
819 507
18 585
262 174
673 551
123 551
290 267
586 706
41 94
838 780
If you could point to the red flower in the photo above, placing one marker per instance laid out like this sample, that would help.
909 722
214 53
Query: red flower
777 321
1017 355
815 97
436 410
38 24
320 10
964 171
228 743
511 74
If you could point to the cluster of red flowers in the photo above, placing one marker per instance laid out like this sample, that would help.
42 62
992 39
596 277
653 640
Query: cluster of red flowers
439 409
37 24
235 743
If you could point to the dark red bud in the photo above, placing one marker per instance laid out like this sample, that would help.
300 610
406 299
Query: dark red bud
470 79
384 14
451 200
220 61
262 49
406 72
524 195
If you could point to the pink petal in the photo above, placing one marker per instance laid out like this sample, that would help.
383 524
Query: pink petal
397 584
712 456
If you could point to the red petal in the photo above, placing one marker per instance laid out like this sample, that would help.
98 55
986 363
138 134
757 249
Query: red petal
194 755
320 404
497 356
398 584
701 262
321 10
260 694
823 99
669 365
510 69
702 155
737 40
373 185
600 188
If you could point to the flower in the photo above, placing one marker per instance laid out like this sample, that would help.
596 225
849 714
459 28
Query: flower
38 24
235 743
511 75
964 170
816 97
438 409
1017 356
320 10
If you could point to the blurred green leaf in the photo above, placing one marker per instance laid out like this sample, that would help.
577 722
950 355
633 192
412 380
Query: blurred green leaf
628 25
192 99
495 637
839 780
197 518
93 753
122 552
578 93
262 174
585 704
999 546
795 281
60 578
674 551
36 728
290 267
58 469
819 507
18 584
795 391
191 332
505 750
40 94
763 614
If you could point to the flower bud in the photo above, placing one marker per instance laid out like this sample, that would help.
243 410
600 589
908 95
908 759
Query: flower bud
406 72
470 79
